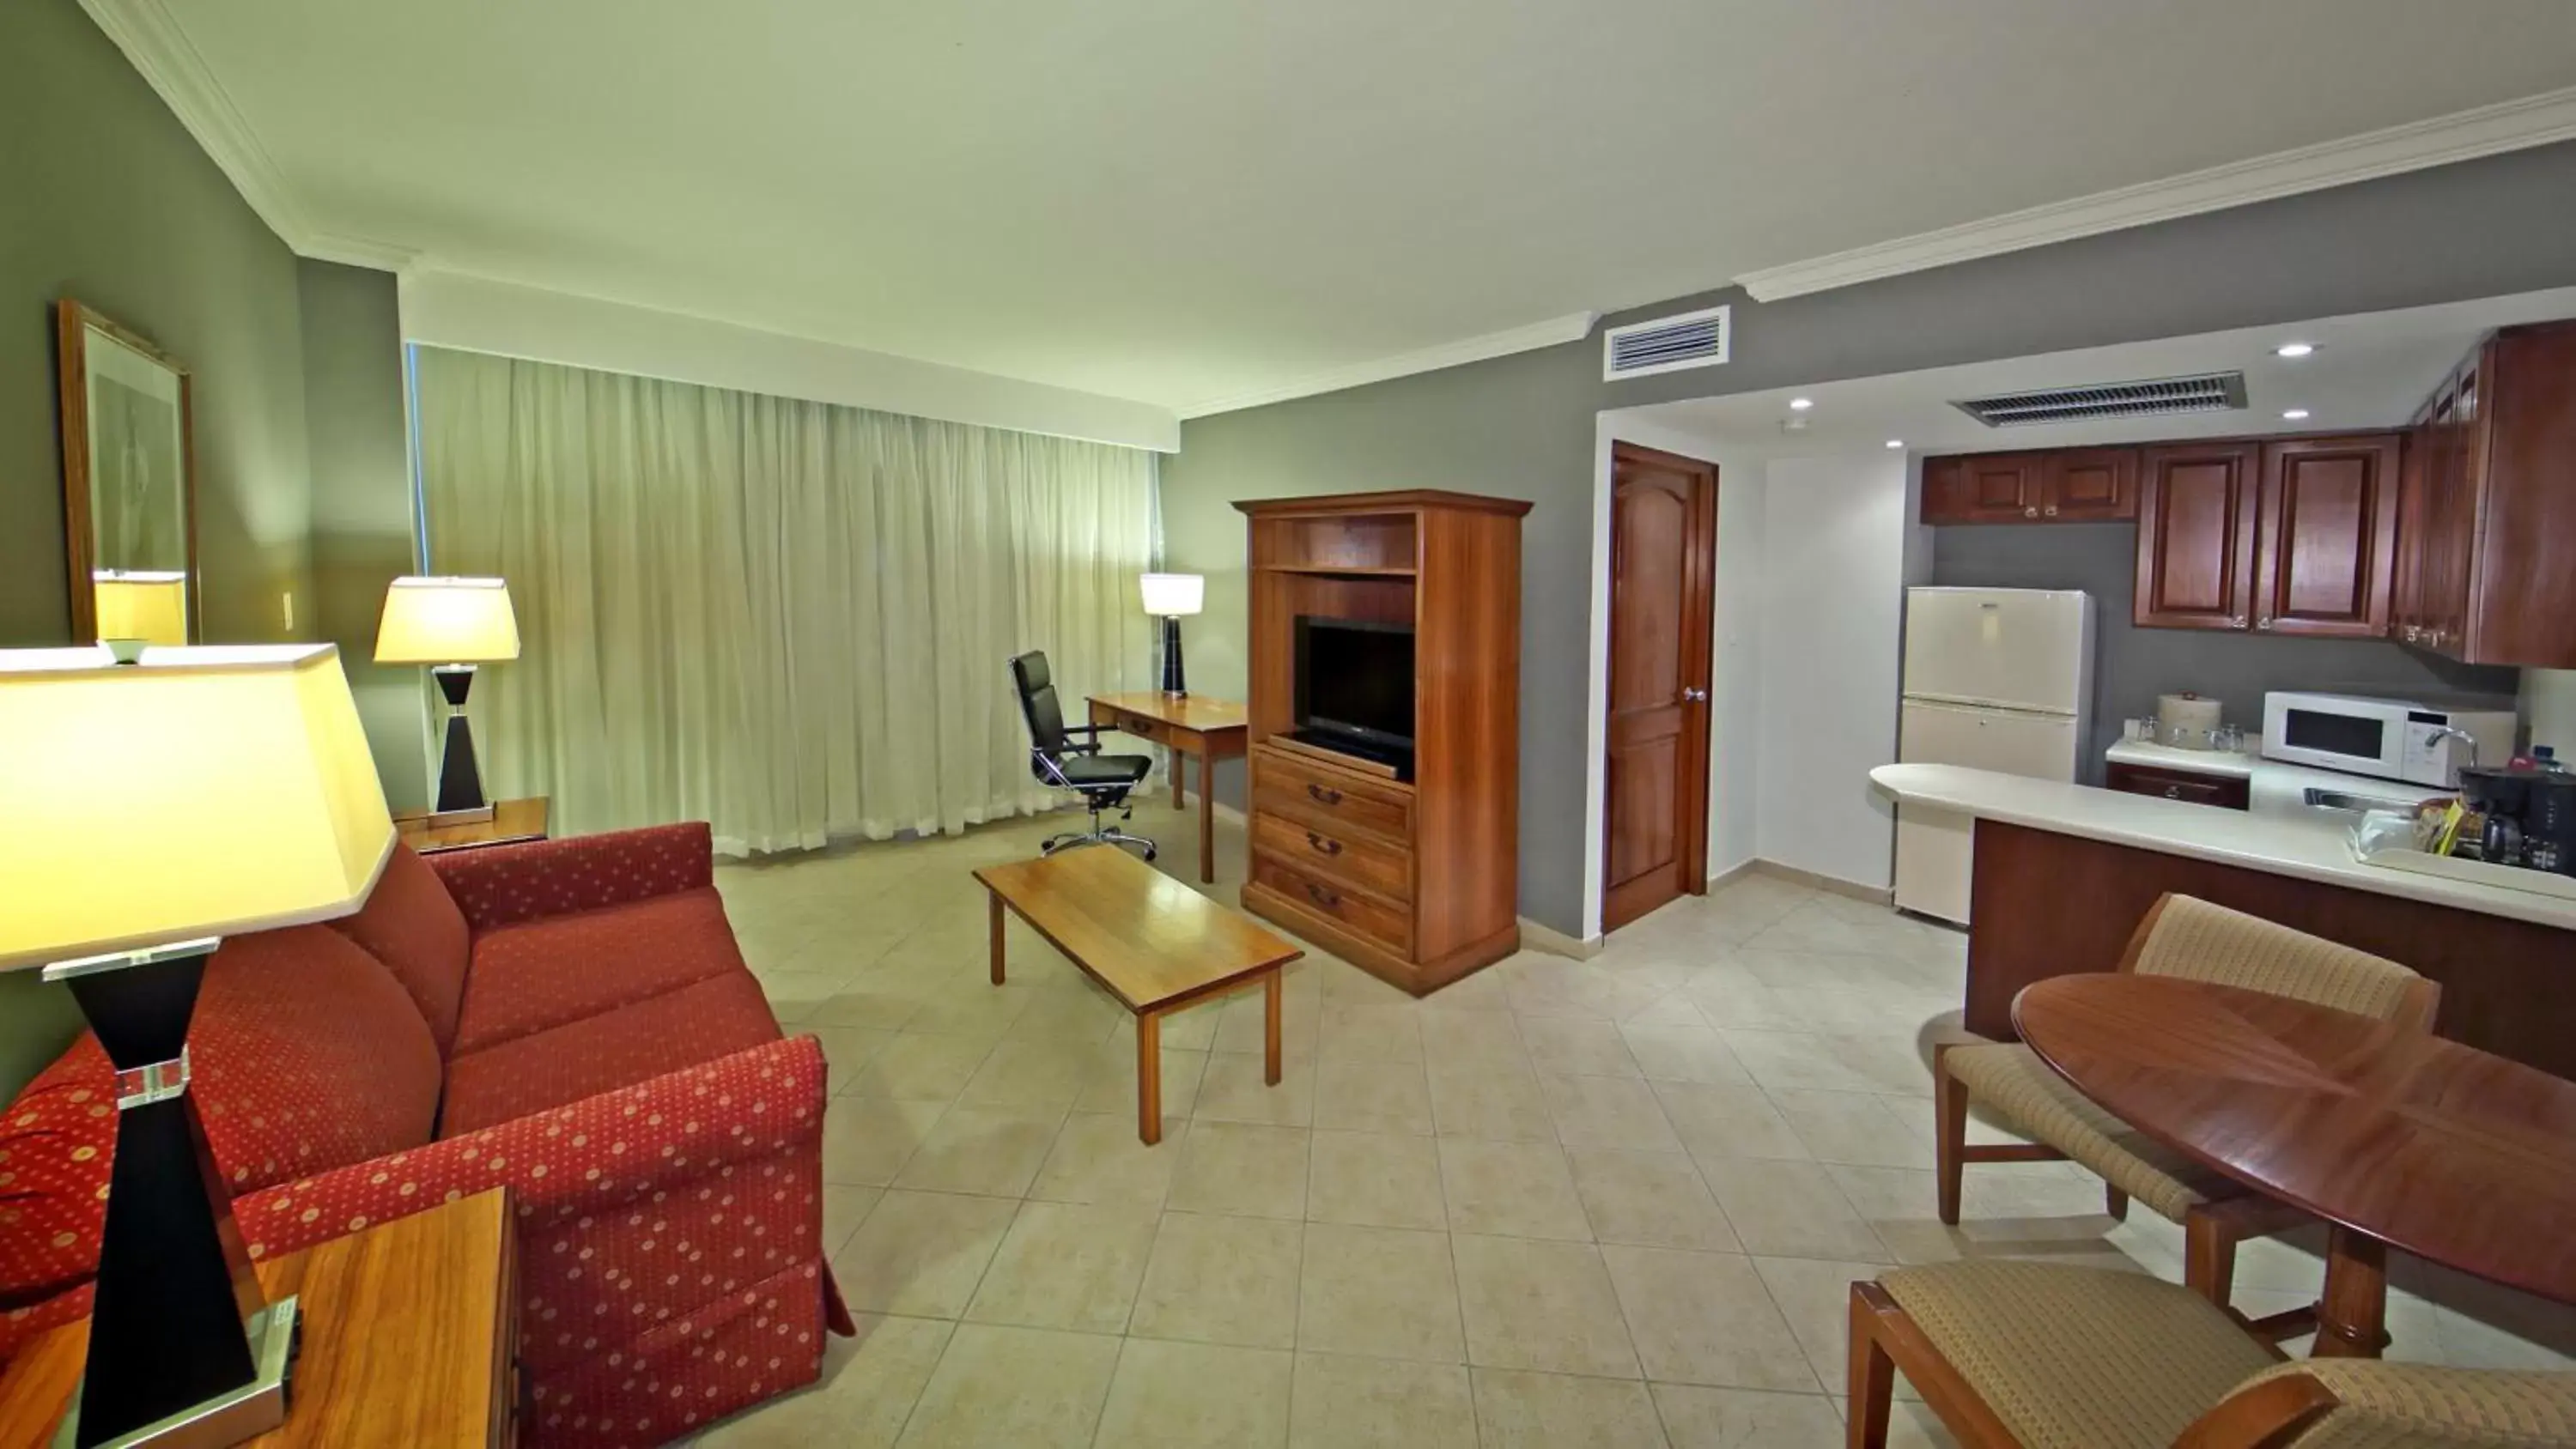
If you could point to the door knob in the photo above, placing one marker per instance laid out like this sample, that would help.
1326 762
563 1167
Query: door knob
1692 695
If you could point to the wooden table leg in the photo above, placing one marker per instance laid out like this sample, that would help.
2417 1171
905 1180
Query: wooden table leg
1207 815
1270 1003
1178 800
2351 1318
1149 1077
996 899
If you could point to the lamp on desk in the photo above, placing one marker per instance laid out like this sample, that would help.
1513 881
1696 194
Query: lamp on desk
452 625
146 605
154 808
1168 597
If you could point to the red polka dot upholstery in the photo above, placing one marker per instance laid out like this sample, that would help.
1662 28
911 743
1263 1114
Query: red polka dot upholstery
681 1028
541 974
664 1153
411 924
504 884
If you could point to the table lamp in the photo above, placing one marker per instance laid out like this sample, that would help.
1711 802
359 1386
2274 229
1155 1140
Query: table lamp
135 604
154 808
1169 596
451 625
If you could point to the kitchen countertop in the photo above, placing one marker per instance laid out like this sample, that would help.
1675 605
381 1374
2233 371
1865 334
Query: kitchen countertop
2279 842
2173 757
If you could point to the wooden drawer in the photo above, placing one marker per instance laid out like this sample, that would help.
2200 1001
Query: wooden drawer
1389 925
1132 724
2224 791
1347 857
1338 800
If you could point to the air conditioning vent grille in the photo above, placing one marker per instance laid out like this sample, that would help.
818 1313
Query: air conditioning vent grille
2207 393
1666 344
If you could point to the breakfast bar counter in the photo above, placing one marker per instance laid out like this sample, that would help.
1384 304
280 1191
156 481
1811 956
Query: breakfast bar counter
2063 873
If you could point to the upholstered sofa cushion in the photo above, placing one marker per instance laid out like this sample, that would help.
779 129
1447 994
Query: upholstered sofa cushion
412 925
2079 1358
682 1028
541 974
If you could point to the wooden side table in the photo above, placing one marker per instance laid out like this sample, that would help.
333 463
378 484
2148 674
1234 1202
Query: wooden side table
410 1333
1187 724
512 821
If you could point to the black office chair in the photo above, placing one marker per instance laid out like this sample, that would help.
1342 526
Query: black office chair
1055 757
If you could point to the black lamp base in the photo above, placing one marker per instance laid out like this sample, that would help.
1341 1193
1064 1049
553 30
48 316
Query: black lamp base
184 1349
1173 683
460 783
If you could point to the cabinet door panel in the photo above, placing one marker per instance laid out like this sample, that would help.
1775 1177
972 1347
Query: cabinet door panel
2084 485
2328 536
2196 524
2000 487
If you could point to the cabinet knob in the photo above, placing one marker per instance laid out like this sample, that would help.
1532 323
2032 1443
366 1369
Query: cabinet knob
1322 897
1322 845
2052 510
2263 623
2033 512
2173 792
2237 622
1323 796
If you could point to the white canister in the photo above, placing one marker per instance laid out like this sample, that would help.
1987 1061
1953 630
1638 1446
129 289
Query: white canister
2185 720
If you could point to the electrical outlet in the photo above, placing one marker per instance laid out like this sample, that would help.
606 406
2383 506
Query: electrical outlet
286 611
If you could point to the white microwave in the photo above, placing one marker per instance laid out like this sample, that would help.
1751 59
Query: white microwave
2393 739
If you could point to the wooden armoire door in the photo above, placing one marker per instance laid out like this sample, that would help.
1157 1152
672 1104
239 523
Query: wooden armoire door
1663 564
2196 526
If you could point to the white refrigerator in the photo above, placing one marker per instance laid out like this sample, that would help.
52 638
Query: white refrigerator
1997 679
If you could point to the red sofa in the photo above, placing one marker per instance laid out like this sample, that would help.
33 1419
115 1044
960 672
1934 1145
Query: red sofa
571 1019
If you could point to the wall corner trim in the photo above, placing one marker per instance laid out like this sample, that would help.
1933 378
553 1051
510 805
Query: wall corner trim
1572 327
1537 937
2536 120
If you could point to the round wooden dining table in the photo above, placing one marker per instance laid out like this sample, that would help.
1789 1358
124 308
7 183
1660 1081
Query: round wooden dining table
2395 1138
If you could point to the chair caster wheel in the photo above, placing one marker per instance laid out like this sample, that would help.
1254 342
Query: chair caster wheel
1149 853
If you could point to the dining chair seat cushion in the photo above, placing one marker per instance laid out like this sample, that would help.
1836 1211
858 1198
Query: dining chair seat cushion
2423 1406
2011 1082
2079 1358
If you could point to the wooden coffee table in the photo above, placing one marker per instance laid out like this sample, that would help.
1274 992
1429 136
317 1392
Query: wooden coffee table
1149 940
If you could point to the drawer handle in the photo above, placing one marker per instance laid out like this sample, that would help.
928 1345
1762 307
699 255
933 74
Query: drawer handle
1324 796
2173 792
1322 845
1322 897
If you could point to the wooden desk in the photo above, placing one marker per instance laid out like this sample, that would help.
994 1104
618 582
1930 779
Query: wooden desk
1150 940
512 821
1187 724
2394 1137
410 1330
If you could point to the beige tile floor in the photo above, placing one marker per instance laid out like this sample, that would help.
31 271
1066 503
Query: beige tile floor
1614 1202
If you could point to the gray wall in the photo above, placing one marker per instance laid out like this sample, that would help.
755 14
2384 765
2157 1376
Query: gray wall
1523 426
362 502
2133 665
110 201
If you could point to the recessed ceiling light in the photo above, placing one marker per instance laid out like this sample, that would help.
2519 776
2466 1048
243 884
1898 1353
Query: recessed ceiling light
1896 442
2294 349
1801 404
2295 414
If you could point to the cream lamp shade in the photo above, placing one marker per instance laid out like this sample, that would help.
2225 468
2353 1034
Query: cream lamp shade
201 792
447 621
1169 595
133 604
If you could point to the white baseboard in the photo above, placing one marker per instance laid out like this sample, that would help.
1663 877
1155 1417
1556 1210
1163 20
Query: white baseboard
1536 937
1813 880
1735 872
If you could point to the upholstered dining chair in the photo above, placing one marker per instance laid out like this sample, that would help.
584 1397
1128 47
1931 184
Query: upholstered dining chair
2181 936
2018 1355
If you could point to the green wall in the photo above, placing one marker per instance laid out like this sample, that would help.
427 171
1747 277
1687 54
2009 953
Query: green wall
109 200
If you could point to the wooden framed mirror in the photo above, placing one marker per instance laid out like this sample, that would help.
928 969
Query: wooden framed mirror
129 483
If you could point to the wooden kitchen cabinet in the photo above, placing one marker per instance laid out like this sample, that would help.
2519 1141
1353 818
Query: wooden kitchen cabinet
2227 792
2089 485
2485 575
2070 485
2326 536
2197 514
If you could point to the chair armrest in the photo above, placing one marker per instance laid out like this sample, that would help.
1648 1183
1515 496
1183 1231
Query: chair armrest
1089 747
595 1155
503 885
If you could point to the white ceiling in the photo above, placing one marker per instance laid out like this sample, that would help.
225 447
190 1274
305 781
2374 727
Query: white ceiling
2369 371
1175 202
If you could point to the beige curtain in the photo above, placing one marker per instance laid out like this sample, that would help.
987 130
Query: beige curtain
789 618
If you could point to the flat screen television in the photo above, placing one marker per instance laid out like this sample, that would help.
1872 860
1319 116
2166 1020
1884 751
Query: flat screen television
1355 686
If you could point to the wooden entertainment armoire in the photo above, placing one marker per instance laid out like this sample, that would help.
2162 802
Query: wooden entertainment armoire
1416 881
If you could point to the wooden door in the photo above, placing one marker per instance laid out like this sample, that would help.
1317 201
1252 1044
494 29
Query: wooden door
2089 485
2328 536
1663 564
2406 575
2196 526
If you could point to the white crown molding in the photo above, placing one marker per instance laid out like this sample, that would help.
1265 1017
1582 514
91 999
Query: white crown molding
1573 327
158 48
2462 136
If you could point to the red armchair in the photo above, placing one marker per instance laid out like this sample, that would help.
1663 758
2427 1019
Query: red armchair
576 1018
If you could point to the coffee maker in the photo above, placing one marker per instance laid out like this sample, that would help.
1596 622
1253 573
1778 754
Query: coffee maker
2530 816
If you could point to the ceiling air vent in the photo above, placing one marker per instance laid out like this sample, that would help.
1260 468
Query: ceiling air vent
1666 344
2210 392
